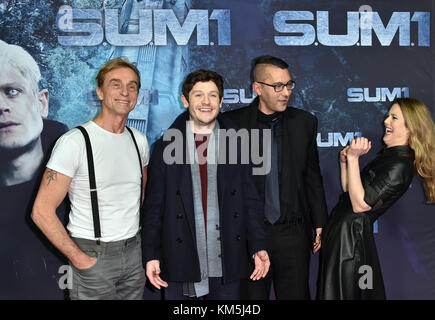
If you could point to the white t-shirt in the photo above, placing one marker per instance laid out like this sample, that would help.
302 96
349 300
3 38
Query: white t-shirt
117 175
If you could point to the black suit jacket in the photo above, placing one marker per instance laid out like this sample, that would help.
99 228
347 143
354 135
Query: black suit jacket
169 222
300 172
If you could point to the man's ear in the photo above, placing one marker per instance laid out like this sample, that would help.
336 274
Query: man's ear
100 94
256 87
43 102
185 102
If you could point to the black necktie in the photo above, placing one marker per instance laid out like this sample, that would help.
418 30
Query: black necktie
271 207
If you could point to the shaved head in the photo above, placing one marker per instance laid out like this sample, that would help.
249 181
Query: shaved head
261 72
261 64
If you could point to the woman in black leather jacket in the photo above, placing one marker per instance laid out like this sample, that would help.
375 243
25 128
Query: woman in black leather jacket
348 244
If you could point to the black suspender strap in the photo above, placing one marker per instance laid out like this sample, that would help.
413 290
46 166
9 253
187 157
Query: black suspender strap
92 185
141 175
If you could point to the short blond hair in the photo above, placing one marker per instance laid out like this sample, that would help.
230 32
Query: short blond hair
114 64
21 60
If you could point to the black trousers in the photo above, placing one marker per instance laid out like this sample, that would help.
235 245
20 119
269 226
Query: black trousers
218 291
289 251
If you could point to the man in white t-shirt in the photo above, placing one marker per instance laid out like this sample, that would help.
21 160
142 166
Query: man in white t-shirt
103 242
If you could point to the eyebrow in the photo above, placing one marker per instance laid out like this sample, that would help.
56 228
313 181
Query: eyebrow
12 85
213 91
118 80
277 82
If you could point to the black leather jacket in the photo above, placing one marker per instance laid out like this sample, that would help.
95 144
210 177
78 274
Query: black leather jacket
387 178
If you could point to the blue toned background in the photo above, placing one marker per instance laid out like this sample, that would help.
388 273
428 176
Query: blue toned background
350 59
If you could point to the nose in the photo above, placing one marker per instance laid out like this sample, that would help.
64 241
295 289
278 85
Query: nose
124 91
386 120
286 91
3 105
206 100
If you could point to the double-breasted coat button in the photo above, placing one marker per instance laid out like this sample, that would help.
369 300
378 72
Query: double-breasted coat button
179 240
180 216
233 193
177 193
236 215
238 237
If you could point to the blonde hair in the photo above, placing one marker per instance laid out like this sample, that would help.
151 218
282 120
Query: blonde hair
114 64
17 57
421 140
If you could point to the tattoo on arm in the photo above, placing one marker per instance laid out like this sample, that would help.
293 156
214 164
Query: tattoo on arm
51 175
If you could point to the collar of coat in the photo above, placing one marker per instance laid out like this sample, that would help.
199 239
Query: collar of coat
289 112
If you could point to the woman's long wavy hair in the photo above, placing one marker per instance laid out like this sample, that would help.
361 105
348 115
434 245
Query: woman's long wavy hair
422 140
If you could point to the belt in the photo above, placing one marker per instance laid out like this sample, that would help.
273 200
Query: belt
106 246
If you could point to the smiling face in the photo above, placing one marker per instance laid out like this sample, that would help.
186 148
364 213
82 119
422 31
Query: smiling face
271 101
204 105
119 91
396 131
21 109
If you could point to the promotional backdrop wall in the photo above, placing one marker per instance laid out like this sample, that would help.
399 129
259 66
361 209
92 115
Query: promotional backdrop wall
349 59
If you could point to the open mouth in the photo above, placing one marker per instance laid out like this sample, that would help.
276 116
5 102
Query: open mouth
388 131
205 109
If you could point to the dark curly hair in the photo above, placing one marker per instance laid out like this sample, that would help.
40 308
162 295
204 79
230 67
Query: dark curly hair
202 75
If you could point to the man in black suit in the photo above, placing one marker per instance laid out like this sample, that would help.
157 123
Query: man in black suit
292 191
203 215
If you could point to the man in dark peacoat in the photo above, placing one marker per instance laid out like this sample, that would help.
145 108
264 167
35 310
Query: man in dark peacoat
302 206
169 228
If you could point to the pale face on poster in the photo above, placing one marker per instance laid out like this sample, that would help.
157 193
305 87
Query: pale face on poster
21 109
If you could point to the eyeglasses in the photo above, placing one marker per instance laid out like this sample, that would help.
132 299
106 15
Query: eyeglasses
280 86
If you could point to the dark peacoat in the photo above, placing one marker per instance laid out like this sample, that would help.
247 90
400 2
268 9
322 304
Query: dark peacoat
169 221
